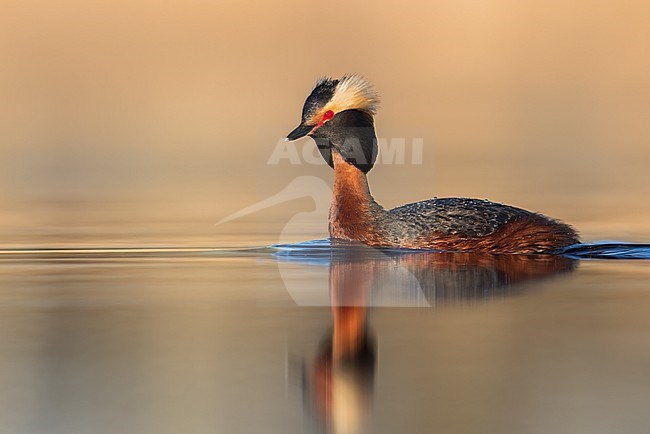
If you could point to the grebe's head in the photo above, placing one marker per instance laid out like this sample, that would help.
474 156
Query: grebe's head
338 114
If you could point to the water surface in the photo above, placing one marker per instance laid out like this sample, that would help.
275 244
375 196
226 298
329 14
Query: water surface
310 339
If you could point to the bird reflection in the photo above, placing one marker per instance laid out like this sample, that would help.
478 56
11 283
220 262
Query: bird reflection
338 383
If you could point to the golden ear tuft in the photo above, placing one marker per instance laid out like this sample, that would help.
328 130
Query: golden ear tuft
354 92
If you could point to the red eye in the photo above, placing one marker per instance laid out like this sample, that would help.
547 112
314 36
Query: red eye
329 114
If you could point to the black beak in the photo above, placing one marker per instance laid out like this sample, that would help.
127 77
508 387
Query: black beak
299 132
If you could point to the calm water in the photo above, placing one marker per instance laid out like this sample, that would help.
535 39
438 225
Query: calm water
313 339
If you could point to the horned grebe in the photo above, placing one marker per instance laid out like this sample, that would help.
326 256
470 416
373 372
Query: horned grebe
338 115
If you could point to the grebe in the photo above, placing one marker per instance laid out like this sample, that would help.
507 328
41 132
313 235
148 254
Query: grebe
338 115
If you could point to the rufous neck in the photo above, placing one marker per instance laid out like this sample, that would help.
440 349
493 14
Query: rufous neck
349 182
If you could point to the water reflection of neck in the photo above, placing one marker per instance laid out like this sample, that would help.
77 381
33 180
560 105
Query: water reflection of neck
350 285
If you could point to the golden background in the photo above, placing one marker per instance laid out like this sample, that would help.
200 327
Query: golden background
144 122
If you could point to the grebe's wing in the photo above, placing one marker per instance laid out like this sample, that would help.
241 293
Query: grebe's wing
469 217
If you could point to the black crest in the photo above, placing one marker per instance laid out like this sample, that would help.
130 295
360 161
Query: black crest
322 93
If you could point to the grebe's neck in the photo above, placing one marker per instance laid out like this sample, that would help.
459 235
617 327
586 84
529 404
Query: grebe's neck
353 209
349 182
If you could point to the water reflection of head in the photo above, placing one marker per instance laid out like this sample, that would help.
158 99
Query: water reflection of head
338 390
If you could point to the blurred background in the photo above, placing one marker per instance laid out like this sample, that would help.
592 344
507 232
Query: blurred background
141 122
